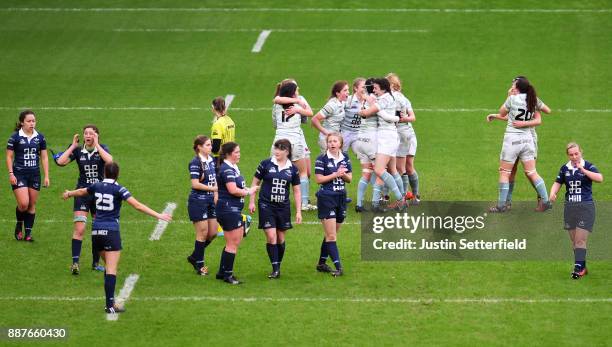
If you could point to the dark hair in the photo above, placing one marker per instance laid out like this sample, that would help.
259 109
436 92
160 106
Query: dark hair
280 84
524 87
111 170
384 84
93 127
287 89
226 149
369 84
22 117
218 105
284 145
337 88
199 141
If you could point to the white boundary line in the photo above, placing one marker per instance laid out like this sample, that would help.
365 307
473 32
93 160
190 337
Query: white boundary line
228 100
333 10
124 295
260 41
257 109
267 32
162 224
486 300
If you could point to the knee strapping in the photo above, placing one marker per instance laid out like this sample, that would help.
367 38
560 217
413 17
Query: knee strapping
531 172
501 169
80 219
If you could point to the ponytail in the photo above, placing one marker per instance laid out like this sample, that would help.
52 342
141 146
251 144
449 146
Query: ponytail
524 87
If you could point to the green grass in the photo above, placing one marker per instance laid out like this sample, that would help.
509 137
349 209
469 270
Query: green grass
464 60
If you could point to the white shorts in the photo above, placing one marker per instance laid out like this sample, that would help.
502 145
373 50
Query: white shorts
519 146
388 142
298 146
349 140
365 147
408 142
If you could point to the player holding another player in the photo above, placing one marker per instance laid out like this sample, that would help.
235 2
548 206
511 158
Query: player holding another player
408 140
383 108
278 175
201 202
90 159
231 191
288 110
26 150
332 171
578 176
521 112
106 237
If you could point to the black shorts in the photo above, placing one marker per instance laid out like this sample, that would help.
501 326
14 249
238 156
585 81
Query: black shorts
579 215
29 180
200 210
85 203
331 206
105 240
271 216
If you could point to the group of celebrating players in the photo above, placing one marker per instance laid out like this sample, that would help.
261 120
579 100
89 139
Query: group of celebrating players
374 120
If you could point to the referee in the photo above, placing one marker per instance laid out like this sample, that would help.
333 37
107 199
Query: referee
223 128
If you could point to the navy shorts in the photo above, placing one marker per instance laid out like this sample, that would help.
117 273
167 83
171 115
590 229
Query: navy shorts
579 215
85 203
105 240
331 206
229 216
200 210
271 216
29 180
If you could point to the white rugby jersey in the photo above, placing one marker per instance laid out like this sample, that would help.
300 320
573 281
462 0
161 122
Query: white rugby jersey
333 111
517 111
402 104
285 125
352 120
386 103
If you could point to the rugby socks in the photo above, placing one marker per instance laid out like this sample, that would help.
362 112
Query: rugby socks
580 257
109 289
332 248
406 182
221 263
76 250
281 252
390 183
95 256
510 190
273 255
324 253
414 183
304 189
198 253
361 190
503 194
227 262
19 216
28 222
399 183
207 242
540 187
376 192
373 179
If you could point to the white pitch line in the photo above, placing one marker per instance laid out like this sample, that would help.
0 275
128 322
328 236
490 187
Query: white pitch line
257 109
124 295
333 10
228 100
266 32
260 41
162 224
375 300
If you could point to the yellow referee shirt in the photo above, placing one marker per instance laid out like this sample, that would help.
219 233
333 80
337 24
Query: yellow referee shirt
223 128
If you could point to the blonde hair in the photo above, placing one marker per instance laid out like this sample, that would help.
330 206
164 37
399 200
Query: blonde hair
394 81
356 82
336 134
572 145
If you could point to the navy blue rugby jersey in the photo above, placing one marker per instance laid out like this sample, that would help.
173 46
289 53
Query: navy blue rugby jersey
91 165
27 150
230 173
277 181
108 196
203 170
326 165
578 187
